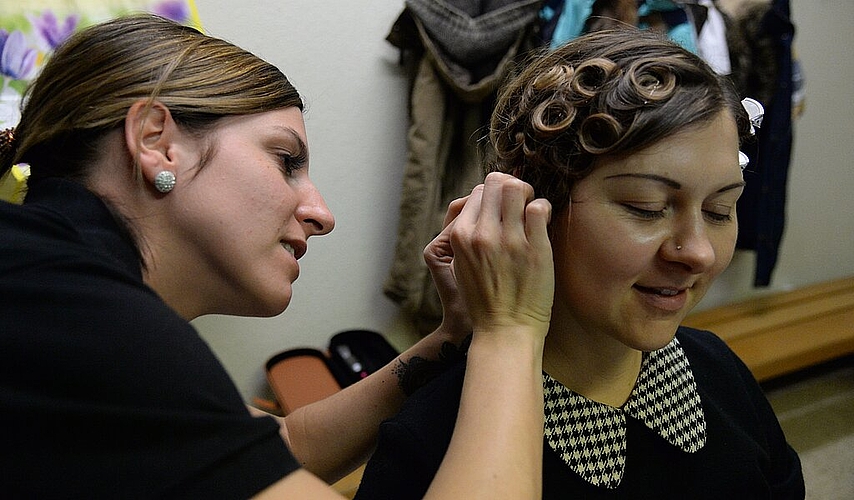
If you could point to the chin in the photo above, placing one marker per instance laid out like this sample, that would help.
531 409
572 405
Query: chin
277 308
652 338
265 306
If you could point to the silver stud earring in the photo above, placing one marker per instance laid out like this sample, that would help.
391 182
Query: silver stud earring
164 181
678 247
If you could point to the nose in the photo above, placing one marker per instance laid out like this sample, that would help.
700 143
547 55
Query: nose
313 214
690 246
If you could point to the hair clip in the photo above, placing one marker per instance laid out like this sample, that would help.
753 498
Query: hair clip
13 183
743 160
7 137
755 111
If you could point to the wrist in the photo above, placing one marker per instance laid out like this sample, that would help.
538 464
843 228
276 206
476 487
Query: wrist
516 341
431 356
450 333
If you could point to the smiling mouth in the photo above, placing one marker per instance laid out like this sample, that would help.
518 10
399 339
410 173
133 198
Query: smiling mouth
664 292
288 247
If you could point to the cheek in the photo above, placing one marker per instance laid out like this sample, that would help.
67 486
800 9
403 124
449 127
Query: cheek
724 245
271 197
594 260
606 248
256 214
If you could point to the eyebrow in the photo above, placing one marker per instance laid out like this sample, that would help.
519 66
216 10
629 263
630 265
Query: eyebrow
671 183
295 136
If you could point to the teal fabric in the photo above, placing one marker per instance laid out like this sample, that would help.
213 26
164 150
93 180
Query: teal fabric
571 22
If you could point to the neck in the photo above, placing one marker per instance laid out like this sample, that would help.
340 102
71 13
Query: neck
592 364
171 293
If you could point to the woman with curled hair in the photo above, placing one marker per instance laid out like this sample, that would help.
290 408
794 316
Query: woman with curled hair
635 142
169 179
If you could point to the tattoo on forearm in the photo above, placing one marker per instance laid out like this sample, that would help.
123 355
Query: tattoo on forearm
417 371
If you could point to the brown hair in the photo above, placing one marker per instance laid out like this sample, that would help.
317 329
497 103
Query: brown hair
90 82
611 92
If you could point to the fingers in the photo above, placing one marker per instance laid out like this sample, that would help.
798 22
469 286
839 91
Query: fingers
491 263
439 249
469 214
454 209
501 254
504 197
538 214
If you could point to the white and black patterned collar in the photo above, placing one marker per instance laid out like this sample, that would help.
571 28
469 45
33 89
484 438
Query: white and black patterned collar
590 437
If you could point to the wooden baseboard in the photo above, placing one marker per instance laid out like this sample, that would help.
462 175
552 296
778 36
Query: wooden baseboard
784 332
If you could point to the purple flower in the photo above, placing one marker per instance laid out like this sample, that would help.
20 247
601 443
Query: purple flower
49 30
16 59
175 10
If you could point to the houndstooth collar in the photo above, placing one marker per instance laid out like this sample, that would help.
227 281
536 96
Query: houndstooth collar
590 437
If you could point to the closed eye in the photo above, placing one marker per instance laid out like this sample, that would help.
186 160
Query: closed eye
718 218
712 216
644 213
292 163
720 211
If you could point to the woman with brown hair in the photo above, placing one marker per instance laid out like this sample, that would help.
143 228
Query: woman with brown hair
635 142
169 179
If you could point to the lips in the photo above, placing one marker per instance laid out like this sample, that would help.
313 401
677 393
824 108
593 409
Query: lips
668 299
294 247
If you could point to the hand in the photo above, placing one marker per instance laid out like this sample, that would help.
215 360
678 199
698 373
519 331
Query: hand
501 256
439 255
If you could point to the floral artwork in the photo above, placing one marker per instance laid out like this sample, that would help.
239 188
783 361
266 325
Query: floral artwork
31 29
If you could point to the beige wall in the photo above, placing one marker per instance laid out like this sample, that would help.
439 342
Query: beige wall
336 55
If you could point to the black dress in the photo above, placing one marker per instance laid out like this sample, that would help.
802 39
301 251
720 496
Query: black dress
696 426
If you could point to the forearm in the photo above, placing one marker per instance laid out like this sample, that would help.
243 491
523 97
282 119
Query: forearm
496 449
333 436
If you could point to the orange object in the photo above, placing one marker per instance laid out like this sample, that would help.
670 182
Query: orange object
299 377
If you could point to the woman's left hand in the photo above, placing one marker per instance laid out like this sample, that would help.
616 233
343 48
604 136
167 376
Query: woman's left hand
438 255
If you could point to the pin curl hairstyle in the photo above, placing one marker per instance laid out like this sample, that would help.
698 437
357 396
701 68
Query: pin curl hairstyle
611 92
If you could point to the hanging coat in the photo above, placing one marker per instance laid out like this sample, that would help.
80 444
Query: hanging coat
458 55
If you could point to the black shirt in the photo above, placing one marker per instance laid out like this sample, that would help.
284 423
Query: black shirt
105 392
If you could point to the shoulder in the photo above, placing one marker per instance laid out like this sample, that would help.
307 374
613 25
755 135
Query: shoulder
427 417
32 234
726 385
74 309
721 376
706 349
411 445
443 387
738 413
692 338
97 363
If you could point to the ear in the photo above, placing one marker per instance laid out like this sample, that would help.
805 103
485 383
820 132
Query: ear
150 135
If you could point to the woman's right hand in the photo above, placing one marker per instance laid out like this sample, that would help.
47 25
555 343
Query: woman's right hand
501 256
500 260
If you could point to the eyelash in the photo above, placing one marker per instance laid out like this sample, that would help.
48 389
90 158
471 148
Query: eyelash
291 163
719 218
659 214
645 214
